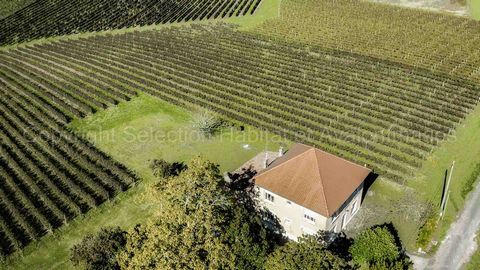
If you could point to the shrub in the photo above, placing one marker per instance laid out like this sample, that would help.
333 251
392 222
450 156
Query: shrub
374 245
428 228
307 253
99 251
469 183
164 169
207 123
378 248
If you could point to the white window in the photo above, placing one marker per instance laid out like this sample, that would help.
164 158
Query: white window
269 197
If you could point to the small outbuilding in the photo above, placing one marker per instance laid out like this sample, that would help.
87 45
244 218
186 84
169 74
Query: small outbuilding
309 190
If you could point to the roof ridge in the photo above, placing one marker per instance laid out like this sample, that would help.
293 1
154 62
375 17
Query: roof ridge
351 162
321 181
286 161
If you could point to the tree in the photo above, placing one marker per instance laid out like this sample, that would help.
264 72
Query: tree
206 123
199 226
307 253
99 251
378 248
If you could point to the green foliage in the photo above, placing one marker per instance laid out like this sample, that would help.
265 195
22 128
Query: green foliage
307 253
428 228
199 226
99 251
247 239
400 264
470 181
164 169
474 263
160 168
376 247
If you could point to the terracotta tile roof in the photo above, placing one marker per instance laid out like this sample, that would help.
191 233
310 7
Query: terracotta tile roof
315 179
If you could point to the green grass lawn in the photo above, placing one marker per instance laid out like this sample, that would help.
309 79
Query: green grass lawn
475 9
145 128
134 133
388 203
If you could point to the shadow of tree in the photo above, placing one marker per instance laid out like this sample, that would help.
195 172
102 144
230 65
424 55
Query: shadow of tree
337 243
243 186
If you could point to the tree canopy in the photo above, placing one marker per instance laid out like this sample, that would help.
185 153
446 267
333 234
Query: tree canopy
377 248
98 251
200 226
307 253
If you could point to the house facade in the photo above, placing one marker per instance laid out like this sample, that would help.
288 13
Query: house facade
311 190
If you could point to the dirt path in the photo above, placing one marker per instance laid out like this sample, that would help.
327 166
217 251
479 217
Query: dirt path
459 244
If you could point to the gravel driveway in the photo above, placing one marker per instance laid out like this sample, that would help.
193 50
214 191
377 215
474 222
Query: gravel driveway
459 244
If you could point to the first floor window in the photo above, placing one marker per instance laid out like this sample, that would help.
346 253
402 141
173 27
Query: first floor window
269 197
309 218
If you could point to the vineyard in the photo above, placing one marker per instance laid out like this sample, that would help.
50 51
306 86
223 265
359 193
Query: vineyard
434 41
8 7
48 175
373 112
62 17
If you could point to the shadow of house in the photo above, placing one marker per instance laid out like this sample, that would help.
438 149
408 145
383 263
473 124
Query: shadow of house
369 180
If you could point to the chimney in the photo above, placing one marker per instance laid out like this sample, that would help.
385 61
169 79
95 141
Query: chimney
280 151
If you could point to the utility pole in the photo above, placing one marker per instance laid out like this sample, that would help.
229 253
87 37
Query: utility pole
446 193
446 201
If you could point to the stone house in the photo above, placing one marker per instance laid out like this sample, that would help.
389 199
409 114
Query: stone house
310 190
